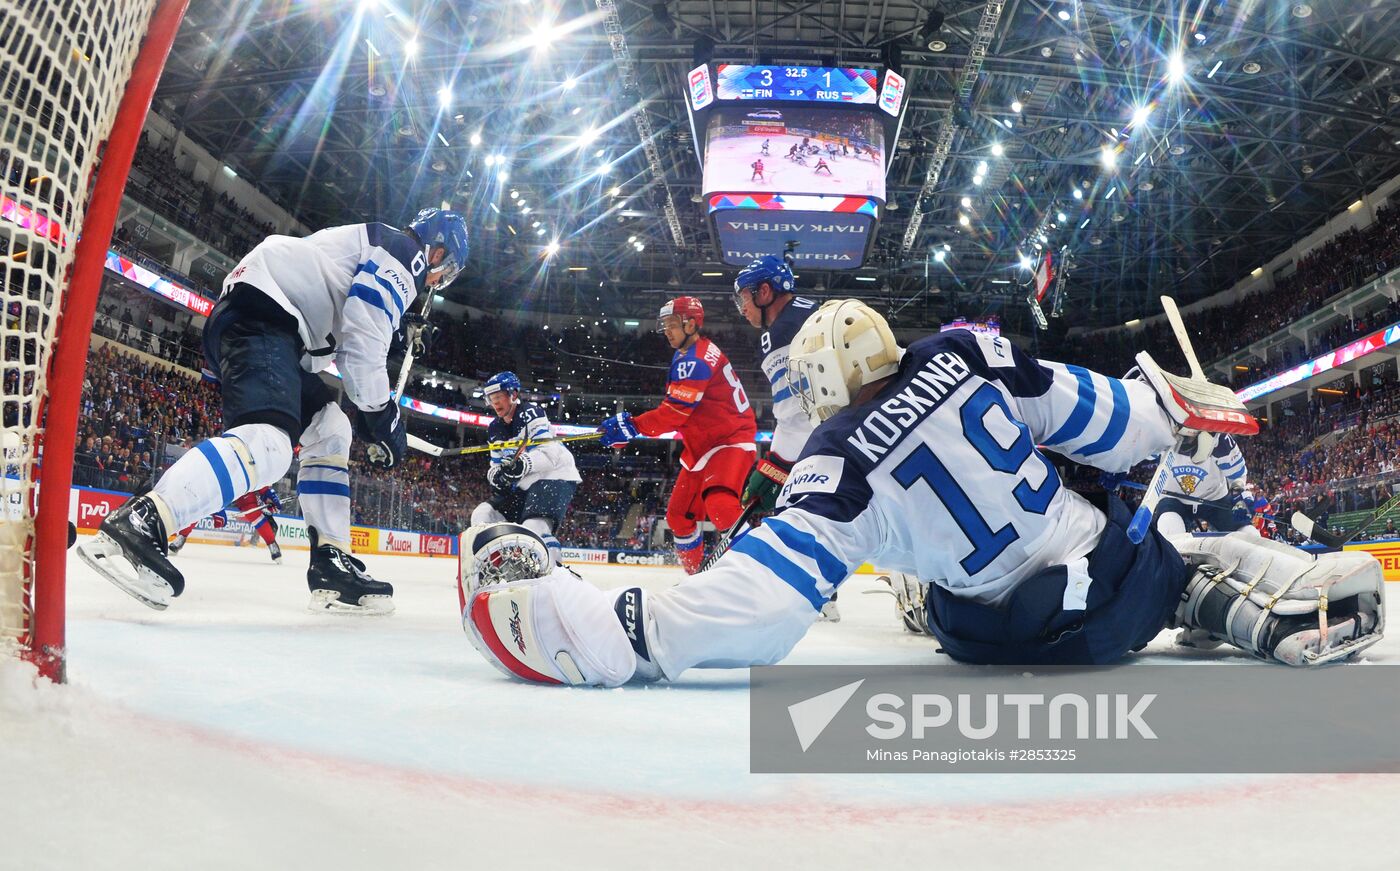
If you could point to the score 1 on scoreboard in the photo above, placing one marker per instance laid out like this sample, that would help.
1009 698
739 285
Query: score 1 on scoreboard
807 84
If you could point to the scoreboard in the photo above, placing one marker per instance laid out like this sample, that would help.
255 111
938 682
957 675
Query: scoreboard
805 84
794 154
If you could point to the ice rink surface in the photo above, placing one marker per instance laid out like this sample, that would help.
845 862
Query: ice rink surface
238 730
729 167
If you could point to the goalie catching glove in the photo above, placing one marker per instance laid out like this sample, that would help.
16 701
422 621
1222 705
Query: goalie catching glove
1197 406
766 482
546 625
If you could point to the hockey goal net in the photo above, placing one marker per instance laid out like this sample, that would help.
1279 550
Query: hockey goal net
76 79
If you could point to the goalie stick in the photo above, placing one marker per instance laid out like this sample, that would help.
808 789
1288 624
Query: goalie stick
1225 420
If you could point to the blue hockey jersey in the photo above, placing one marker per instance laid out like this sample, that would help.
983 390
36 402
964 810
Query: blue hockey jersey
551 460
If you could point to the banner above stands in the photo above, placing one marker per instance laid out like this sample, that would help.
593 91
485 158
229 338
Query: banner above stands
159 284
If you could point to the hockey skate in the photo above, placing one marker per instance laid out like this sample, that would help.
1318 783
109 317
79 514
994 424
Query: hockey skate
275 551
830 613
179 542
130 550
340 584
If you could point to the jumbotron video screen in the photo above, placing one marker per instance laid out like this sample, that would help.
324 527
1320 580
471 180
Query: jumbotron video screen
800 150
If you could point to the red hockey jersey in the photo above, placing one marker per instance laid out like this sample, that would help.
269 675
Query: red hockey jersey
704 403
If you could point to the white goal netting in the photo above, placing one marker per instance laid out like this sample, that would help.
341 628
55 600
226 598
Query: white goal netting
64 65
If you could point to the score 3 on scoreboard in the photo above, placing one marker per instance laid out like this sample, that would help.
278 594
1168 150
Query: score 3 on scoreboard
807 84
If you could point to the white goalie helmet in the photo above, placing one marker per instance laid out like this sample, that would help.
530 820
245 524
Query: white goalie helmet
843 346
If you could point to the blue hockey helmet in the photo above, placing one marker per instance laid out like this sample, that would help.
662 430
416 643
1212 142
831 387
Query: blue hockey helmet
771 269
507 381
448 229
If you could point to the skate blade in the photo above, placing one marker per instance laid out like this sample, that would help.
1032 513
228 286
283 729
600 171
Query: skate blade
104 556
829 614
328 602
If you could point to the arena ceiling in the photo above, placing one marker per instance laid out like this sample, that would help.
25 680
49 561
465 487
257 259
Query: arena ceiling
1278 116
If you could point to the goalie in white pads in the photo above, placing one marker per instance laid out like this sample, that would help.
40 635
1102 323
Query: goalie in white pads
926 461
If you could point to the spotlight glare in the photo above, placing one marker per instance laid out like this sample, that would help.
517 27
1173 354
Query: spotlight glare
1141 114
997 149
552 248
616 192
966 202
410 48
476 139
977 180
444 96
964 220
1176 68
1109 157
1025 261
940 255
1016 106
604 168
981 167
1078 194
569 83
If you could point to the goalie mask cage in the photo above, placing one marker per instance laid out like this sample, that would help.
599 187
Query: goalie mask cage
76 80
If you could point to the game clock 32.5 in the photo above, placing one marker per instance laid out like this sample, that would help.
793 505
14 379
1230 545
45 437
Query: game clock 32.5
804 84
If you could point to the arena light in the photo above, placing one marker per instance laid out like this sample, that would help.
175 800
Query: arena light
1257 271
712 274
588 136
1016 106
1063 15
604 168
966 202
524 210
515 195
475 140
997 149
981 167
410 48
1132 323
1354 206
1060 216
1141 114
1215 69
865 278
964 220
569 83
503 175
444 97
1176 68
539 232
977 180
1109 157
615 191
1078 194
940 255
552 248
490 160
1025 261
1084 223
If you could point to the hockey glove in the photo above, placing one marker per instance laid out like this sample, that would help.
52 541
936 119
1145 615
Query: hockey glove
385 433
618 430
766 482
495 478
515 468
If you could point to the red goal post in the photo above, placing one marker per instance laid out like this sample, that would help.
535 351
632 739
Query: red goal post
76 81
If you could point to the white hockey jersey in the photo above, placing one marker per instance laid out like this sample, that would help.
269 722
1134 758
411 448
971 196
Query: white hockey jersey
1223 469
549 458
793 426
348 288
938 476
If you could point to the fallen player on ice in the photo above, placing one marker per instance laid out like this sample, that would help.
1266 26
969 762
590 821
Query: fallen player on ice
925 461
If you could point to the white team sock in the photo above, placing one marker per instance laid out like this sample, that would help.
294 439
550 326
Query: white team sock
219 470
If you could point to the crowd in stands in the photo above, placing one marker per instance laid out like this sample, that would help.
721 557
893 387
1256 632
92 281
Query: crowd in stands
1343 263
158 181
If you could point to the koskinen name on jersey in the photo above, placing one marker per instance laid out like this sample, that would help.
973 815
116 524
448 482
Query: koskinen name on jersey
881 429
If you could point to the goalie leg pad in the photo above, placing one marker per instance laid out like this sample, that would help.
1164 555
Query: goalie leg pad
1280 603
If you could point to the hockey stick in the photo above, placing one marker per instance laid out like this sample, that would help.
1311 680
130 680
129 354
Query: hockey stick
493 446
722 545
1324 536
1142 519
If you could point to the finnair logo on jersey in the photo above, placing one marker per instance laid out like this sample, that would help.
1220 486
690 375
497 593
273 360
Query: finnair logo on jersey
816 474
922 393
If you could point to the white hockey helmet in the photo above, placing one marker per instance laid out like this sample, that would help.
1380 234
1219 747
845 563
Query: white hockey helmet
843 346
